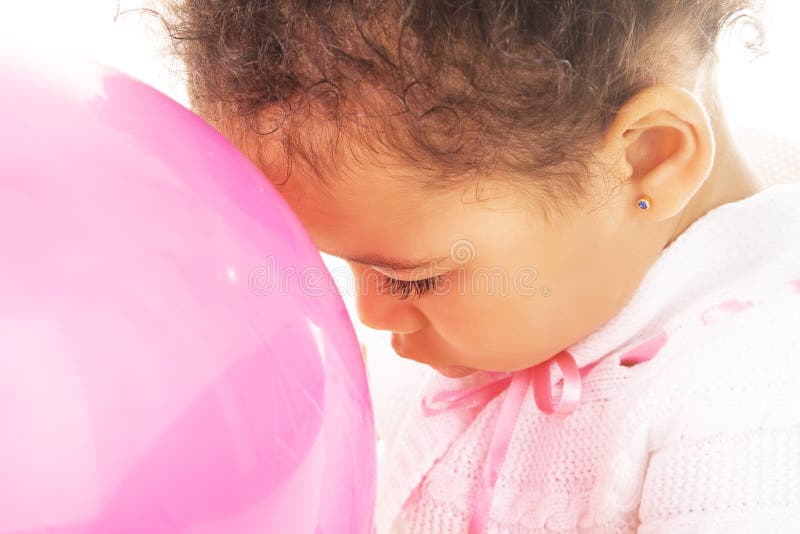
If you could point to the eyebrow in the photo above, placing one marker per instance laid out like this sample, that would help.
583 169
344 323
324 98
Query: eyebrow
389 263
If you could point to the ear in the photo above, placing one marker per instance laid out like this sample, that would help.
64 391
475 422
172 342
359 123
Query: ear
664 139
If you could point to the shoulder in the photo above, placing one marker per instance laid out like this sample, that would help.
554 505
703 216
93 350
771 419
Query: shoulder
733 375
723 425
759 339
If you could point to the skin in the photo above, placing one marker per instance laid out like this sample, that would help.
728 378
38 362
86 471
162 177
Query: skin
587 261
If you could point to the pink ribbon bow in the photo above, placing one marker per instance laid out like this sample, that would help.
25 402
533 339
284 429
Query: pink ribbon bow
516 384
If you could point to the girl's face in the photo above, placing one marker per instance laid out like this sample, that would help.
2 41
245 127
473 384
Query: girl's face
492 285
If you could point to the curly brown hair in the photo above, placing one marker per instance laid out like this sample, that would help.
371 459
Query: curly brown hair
459 88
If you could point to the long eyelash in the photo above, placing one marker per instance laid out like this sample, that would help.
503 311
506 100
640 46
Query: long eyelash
404 289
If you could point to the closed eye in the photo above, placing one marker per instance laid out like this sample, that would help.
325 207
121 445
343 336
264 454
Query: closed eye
404 289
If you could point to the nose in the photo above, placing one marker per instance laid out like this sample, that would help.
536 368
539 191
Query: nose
382 311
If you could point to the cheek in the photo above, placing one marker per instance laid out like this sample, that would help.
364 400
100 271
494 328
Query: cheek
500 330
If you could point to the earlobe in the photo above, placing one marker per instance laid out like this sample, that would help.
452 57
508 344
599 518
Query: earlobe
667 142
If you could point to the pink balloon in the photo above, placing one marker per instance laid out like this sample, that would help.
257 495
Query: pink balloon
173 355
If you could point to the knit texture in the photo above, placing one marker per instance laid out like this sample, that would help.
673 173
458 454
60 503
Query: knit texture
705 437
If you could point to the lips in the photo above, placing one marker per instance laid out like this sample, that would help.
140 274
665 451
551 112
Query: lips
401 347
397 344
451 371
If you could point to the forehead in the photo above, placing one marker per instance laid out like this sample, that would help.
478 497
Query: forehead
363 205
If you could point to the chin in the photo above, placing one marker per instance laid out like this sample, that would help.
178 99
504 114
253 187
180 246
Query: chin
455 371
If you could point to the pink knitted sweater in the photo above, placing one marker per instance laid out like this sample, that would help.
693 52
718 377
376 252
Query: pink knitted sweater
703 435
